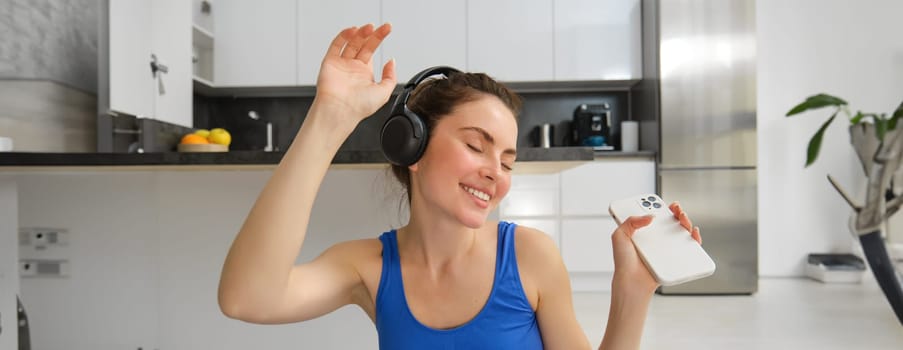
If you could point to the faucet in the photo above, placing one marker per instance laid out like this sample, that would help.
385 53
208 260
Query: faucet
269 147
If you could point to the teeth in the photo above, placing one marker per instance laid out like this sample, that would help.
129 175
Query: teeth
476 193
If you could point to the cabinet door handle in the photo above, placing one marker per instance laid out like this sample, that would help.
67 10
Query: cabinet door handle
156 66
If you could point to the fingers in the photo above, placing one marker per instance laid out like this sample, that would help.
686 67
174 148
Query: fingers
684 219
634 223
357 41
373 41
388 80
681 216
335 48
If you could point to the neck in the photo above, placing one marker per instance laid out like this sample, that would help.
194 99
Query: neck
435 240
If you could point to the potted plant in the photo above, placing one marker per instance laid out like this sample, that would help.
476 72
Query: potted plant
879 146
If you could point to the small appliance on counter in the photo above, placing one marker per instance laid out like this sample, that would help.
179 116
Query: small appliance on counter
543 136
593 126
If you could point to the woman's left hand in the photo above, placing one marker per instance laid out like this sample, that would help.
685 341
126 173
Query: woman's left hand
630 271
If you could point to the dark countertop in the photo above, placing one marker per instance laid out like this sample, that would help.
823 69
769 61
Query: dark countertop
529 160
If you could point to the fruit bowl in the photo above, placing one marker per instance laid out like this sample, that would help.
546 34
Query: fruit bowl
202 147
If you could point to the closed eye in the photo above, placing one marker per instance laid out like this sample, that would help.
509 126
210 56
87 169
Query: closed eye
506 167
474 148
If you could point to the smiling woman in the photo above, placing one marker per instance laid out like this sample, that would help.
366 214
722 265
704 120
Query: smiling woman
435 99
448 278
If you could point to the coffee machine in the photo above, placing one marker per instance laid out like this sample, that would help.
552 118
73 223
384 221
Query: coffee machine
593 126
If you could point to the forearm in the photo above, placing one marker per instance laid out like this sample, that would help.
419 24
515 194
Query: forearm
626 318
257 267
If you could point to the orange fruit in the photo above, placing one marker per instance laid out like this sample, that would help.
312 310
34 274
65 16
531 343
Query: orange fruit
191 139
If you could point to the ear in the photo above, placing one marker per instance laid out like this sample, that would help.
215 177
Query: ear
414 167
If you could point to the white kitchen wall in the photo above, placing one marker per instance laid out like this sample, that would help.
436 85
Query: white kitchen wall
147 248
51 41
851 49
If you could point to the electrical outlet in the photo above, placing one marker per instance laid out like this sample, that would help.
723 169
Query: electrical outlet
42 237
43 268
27 269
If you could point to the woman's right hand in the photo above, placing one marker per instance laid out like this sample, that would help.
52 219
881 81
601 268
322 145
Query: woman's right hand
346 74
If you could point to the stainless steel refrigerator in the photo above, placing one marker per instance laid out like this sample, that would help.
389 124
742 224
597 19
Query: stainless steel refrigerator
700 61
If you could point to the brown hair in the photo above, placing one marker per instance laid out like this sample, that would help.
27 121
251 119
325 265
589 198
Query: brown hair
434 99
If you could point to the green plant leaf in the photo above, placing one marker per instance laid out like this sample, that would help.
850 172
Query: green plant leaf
858 118
880 126
896 115
815 102
815 142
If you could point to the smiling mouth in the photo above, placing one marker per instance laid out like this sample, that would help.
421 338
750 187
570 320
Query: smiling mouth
477 193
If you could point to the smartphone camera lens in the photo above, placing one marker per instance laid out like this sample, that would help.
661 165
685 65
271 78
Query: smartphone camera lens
646 204
651 199
656 205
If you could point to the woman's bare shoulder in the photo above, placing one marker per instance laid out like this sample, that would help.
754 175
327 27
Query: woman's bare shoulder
534 243
358 249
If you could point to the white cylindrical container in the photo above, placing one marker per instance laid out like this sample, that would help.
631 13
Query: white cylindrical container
630 136
6 144
545 135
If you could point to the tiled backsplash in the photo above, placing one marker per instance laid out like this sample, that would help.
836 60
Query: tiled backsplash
45 116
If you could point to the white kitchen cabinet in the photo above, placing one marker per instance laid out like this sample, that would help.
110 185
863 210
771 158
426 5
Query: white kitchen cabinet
132 87
319 22
586 225
202 41
598 40
137 30
423 37
171 20
511 40
586 244
203 20
255 43
588 189
530 196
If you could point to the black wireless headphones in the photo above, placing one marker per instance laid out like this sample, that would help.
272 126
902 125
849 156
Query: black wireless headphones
404 135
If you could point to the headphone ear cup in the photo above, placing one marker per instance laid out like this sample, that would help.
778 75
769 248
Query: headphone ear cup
403 138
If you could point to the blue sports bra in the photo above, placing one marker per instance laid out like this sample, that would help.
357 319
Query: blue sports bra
506 321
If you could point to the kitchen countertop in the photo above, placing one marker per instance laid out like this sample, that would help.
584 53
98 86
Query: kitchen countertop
530 160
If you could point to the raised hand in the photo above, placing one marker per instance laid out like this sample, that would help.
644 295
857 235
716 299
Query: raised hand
346 74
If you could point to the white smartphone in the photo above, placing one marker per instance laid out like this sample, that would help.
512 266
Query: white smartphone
671 254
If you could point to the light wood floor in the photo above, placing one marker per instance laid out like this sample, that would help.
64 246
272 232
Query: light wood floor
786 313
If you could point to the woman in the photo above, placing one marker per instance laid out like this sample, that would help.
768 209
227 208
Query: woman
448 278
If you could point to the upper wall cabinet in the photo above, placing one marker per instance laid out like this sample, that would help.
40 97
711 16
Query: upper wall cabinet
319 22
598 40
282 42
423 37
255 43
511 40
202 41
142 33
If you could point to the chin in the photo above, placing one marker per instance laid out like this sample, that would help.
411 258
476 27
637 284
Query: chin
472 220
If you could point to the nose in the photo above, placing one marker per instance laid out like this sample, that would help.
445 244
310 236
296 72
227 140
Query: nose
490 171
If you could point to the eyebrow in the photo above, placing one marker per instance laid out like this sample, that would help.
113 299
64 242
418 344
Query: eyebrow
488 138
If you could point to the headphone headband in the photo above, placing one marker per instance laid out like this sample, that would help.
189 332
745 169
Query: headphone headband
404 135
401 102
